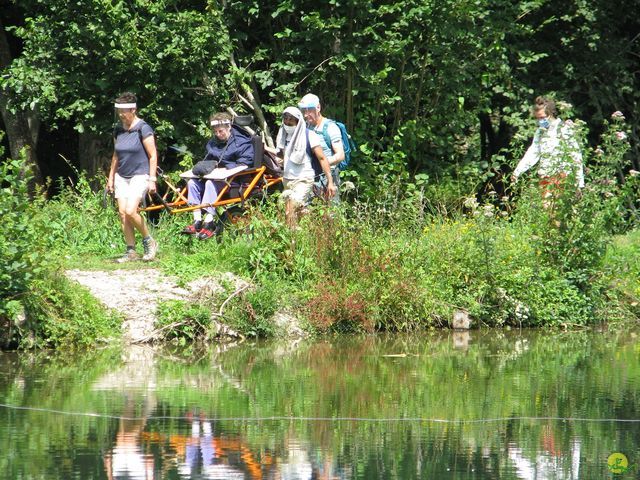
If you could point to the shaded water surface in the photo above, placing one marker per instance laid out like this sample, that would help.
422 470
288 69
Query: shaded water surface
484 405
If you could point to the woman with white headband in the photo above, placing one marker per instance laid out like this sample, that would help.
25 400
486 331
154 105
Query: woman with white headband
230 147
297 144
132 174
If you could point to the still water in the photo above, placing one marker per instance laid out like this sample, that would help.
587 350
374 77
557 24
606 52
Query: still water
479 405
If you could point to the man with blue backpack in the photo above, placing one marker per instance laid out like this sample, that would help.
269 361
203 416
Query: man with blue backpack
334 140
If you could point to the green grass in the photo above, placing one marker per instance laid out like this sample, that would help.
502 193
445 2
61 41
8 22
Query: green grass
374 266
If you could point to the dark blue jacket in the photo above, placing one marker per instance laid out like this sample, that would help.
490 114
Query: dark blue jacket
238 150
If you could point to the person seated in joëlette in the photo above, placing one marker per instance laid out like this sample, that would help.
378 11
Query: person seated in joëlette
229 148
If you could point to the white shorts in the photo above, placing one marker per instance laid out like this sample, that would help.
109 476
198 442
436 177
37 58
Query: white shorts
299 191
134 187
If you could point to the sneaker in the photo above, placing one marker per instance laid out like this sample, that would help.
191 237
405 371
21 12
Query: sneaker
150 249
129 256
207 231
192 229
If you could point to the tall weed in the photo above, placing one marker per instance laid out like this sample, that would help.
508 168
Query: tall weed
405 259
22 258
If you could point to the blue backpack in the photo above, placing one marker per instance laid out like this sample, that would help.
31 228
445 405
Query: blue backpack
347 142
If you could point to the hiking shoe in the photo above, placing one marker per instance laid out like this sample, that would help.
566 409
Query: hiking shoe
207 231
192 229
150 249
129 256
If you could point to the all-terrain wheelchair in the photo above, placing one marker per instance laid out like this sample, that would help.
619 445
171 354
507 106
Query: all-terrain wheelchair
252 183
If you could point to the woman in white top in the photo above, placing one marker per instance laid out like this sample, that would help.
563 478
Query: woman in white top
296 144
554 148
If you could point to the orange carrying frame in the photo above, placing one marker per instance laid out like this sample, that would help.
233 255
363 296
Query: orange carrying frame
255 181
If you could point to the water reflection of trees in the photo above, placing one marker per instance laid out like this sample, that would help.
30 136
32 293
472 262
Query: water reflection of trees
492 376
496 375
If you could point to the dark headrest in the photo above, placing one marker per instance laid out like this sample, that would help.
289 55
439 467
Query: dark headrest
258 151
243 120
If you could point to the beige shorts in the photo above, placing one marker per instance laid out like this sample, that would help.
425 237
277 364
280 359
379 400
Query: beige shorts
134 187
299 191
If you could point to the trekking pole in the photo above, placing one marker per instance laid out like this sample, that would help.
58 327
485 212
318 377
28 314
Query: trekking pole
107 198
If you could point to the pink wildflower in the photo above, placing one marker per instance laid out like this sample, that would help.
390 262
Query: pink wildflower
617 115
621 135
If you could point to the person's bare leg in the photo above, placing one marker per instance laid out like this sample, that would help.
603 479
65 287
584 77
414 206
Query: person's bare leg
291 213
126 222
134 220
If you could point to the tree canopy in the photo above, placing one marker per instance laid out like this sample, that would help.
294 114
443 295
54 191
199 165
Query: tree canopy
432 88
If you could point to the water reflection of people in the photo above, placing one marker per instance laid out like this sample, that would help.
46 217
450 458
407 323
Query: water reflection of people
543 465
127 459
300 464
297 465
204 455
199 445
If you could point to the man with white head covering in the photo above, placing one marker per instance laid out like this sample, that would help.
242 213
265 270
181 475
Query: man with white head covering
299 147
330 140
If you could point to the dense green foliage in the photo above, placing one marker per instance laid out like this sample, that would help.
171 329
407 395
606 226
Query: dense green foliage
38 305
435 92
78 56
391 265
20 262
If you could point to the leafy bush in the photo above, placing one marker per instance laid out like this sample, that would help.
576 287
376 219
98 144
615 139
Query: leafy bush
182 321
21 256
251 312
62 314
38 305
80 221
403 260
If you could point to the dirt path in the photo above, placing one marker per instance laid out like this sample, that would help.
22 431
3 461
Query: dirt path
133 293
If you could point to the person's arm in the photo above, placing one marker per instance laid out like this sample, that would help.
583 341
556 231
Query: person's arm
336 145
576 154
278 153
280 159
149 144
326 169
112 171
338 154
529 159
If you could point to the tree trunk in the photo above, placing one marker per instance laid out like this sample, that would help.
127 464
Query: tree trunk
418 99
94 157
251 92
349 102
21 133
398 114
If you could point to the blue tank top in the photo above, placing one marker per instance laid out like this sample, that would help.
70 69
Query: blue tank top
132 157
